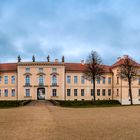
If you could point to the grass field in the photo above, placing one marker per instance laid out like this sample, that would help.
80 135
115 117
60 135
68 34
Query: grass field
42 121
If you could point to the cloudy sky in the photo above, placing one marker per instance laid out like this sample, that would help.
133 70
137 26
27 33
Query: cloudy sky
69 27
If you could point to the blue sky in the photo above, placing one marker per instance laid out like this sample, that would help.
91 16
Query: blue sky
72 28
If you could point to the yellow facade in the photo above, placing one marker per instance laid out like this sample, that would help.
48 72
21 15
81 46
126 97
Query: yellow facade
8 85
54 80
47 73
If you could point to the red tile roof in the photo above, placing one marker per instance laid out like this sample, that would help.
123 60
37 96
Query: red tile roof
121 61
78 67
74 67
8 67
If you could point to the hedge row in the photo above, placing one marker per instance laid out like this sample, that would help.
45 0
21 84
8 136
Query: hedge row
8 104
89 103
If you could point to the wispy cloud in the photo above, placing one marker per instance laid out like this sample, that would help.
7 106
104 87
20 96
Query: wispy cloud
72 28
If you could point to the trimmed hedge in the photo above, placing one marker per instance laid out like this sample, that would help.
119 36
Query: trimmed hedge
88 103
8 104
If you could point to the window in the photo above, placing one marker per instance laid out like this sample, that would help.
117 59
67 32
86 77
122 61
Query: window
41 80
6 92
0 92
54 70
139 81
98 92
27 69
40 69
68 92
13 92
117 92
6 79
128 94
75 79
54 92
68 79
27 92
104 79
109 80
54 80
117 80
98 80
82 80
75 92
82 92
13 79
109 92
0 79
139 92
92 92
27 80
103 92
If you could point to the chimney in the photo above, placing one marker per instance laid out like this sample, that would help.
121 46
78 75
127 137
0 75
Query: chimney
56 60
82 62
125 56
118 58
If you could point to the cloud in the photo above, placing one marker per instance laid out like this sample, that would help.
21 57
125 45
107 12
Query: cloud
72 28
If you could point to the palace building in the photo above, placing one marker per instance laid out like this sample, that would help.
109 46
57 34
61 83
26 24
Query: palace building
62 81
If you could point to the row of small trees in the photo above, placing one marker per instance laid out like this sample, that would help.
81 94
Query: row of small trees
127 70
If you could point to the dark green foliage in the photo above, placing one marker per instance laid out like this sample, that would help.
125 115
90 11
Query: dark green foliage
54 102
8 104
89 103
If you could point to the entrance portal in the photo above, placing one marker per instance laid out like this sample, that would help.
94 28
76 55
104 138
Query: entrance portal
41 93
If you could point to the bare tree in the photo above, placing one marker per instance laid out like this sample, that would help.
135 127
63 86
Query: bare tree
128 71
93 69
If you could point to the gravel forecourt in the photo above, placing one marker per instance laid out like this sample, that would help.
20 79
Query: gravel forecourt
40 120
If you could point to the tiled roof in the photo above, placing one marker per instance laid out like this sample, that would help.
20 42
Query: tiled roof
121 61
74 67
107 69
8 67
81 67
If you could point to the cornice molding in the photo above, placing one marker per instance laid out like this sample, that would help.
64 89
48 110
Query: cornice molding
40 64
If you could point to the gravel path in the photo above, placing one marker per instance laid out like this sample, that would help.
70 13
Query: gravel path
42 121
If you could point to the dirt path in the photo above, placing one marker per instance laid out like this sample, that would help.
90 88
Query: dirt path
33 122
42 121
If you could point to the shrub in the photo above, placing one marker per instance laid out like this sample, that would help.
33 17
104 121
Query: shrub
8 104
88 103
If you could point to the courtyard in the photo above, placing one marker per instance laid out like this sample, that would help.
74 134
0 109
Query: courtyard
43 121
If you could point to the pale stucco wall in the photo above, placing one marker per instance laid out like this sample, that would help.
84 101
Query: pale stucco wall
47 70
87 87
8 86
122 86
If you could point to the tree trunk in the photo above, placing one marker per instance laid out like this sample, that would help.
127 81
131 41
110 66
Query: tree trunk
130 91
94 98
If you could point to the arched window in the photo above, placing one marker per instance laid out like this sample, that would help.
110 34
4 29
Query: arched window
27 79
54 80
41 80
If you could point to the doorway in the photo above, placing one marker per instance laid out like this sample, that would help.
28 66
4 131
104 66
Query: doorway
41 94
